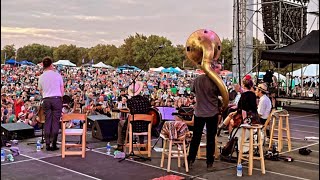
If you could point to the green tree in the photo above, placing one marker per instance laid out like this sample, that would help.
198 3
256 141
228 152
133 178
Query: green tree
68 52
34 52
226 54
8 52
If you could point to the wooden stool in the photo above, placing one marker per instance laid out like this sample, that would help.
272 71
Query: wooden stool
280 131
169 151
250 158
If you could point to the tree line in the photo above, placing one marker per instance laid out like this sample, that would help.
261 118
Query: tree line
137 50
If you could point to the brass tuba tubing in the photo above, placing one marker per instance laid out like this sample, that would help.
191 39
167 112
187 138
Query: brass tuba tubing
203 47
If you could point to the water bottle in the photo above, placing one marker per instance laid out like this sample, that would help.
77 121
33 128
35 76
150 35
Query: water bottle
38 145
3 155
239 170
108 148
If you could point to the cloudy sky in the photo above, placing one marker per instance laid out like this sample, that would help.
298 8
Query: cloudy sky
87 23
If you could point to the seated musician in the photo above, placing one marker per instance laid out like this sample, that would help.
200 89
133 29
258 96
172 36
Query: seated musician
246 103
137 104
99 109
186 117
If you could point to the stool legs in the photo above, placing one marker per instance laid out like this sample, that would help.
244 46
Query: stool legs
263 169
250 153
169 155
288 133
163 152
251 145
272 132
280 134
241 145
185 156
280 130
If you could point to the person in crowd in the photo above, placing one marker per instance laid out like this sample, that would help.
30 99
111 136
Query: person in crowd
206 112
52 89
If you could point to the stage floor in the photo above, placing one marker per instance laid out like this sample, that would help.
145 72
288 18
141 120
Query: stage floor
98 165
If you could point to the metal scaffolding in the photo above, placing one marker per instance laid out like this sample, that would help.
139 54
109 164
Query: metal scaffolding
243 23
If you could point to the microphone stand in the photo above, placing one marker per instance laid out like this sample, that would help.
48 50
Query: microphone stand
132 154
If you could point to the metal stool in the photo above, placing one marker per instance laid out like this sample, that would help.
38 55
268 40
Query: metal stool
280 130
259 144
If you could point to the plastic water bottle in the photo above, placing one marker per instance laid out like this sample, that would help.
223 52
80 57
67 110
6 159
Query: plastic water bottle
38 145
239 170
108 148
3 155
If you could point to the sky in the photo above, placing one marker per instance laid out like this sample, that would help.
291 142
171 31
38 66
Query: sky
86 23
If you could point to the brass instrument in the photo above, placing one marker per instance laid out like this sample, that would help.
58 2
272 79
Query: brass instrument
203 47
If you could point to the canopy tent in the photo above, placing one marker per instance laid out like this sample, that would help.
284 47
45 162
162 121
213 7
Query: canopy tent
65 63
12 62
177 68
261 74
157 69
25 62
102 65
124 67
304 51
135 68
170 70
310 70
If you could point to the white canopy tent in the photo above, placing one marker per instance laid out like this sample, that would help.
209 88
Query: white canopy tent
159 69
177 68
310 70
65 63
102 65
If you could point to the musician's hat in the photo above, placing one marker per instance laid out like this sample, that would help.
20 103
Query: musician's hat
135 90
263 87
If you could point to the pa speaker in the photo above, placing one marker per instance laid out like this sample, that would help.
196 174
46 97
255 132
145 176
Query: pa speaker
16 131
105 130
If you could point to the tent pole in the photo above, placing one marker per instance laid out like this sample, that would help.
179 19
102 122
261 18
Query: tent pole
279 82
291 87
301 83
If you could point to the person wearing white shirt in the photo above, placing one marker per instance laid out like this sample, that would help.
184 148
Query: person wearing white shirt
264 106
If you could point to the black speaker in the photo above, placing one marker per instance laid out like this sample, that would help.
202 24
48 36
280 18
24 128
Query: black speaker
293 21
17 131
105 130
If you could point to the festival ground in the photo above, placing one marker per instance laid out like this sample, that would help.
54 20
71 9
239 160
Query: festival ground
32 165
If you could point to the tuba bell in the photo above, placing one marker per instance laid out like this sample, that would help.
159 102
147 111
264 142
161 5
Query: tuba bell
203 47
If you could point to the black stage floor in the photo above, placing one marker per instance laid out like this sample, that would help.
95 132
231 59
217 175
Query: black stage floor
98 165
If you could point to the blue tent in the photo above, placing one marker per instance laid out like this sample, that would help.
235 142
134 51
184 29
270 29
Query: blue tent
25 62
135 68
12 62
170 70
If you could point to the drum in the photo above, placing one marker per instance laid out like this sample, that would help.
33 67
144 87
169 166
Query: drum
156 116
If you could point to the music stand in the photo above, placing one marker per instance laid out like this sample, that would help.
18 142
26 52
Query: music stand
131 154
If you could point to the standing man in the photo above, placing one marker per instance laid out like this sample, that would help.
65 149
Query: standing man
52 89
206 111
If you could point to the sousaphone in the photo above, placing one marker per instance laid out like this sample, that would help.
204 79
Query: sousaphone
203 47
